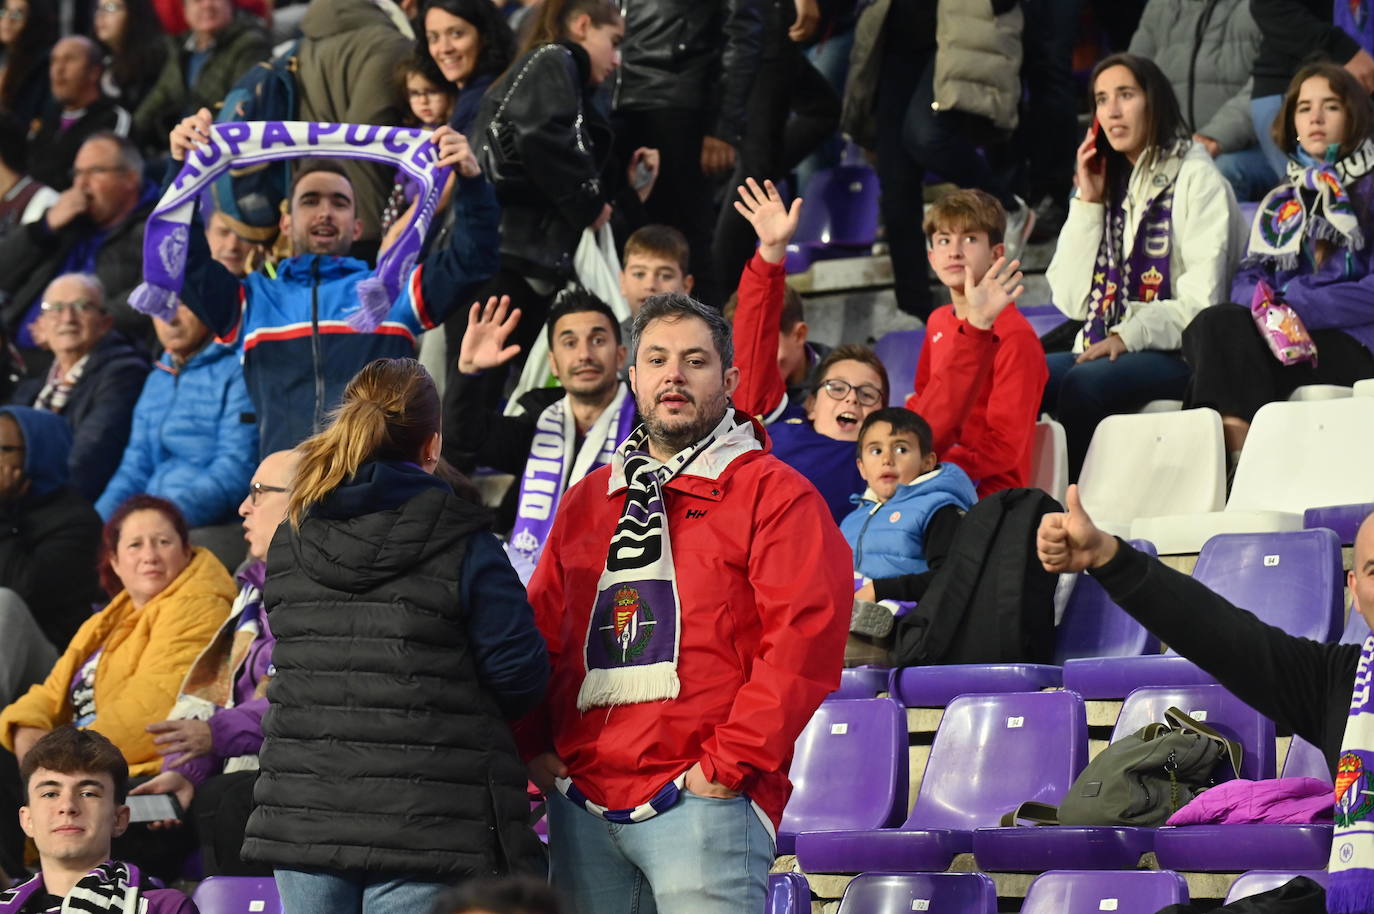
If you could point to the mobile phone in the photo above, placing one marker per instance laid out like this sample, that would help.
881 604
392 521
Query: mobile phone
1100 140
153 807
643 175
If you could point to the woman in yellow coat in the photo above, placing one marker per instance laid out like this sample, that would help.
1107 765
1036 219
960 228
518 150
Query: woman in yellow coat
124 666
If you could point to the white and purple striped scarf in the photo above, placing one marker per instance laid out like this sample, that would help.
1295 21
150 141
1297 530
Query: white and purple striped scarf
236 145
1351 890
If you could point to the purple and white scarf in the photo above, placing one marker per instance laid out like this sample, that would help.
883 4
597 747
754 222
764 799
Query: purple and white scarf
236 145
1313 204
553 466
1351 890
1143 275
631 645
109 888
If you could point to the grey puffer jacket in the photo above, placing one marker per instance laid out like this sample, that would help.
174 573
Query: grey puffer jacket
1207 49
978 64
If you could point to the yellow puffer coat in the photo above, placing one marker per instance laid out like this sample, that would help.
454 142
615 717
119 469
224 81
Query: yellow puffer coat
146 655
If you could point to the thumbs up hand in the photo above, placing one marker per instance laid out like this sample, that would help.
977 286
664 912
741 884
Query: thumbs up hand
1070 542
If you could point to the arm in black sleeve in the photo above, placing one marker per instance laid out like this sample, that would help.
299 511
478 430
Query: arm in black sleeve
477 435
1290 27
739 64
939 537
455 272
1303 686
512 660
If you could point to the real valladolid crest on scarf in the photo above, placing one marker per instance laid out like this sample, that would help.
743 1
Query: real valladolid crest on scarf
238 145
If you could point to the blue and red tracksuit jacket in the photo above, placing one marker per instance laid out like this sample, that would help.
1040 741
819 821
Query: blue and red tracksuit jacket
297 348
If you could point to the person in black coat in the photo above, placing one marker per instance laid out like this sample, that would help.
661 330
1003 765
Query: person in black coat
49 537
96 377
1303 686
404 645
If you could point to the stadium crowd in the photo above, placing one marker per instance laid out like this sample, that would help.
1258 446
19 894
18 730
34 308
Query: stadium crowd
244 565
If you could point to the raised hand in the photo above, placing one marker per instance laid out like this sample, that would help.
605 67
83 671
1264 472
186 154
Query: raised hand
189 133
484 342
455 152
989 296
1070 542
773 222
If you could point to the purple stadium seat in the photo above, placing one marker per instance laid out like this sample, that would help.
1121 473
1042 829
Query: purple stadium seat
1344 519
844 739
788 893
1292 580
841 208
1094 626
937 686
861 682
938 893
1043 318
1091 891
899 351
1257 881
1039 848
991 753
1305 761
1356 628
238 895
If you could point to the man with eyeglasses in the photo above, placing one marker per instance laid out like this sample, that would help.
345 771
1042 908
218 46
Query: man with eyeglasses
96 227
94 381
209 744
78 111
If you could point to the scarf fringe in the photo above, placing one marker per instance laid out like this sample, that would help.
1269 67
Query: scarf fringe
1349 894
154 301
374 301
1321 229
1285 261
628 685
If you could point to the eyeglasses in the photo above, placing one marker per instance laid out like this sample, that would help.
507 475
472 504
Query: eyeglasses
16 15
259 488
79 307
867 394
110 7
95 171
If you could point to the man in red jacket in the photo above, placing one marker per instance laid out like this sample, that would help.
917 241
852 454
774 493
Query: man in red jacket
982 370
695 596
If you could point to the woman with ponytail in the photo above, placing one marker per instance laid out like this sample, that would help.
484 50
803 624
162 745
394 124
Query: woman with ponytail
404 644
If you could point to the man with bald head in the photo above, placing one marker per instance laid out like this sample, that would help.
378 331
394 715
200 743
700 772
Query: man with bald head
206 745
94 381
1303 686
78 110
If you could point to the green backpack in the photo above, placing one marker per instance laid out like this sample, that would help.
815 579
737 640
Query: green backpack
1142 779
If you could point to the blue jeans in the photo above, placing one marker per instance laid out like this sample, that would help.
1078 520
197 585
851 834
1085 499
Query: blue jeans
1248 172
702 856
1262 114
1080 396
322 892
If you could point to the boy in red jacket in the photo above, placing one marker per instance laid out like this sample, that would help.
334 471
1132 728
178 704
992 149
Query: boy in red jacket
982 370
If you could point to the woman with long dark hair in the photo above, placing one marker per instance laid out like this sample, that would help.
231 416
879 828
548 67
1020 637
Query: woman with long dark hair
1152 238
404 644
468 44
1310 244
28 30
138 47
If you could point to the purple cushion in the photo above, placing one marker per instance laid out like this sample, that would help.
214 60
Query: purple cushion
1232 848
1034 849
896 849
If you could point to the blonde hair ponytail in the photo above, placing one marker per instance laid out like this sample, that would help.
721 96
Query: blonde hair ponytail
389 411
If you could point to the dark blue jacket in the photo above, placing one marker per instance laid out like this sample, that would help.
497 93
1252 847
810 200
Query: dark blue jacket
888 538
297 347
99 411
194 440
831 465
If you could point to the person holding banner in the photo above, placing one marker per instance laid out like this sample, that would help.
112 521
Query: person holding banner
307 330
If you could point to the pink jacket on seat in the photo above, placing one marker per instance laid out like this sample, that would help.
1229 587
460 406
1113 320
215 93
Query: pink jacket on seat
1280 801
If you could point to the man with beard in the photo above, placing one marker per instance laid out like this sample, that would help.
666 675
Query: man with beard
299 349
559 434
694 595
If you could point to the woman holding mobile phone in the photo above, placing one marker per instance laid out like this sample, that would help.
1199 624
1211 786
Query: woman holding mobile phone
1152 238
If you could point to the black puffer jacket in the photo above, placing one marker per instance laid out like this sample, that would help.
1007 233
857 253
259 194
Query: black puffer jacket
556 145
386 747
691 54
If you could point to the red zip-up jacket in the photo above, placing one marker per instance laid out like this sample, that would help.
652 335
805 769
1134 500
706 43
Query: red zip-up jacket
766 585
980 391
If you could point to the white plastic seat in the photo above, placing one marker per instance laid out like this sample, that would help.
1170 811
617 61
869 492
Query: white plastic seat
1149 464
1364 388
1050 458
1309 392
1161 406
1298 455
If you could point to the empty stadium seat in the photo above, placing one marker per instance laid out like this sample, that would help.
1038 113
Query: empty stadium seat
899 351
1050 458
1356 628
843 738
937 686
1093 891
1344 520
991 753
1146 464
840 218
788 893
1292 580
1297 456
861 682
1309 392
1257 881
937 893
237 895
1094 626
1042 318
1364 388
1305 761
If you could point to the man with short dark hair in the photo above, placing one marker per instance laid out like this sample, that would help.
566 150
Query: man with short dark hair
75 783
695 596
560 434
23 199
299 350
78 111
96 226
